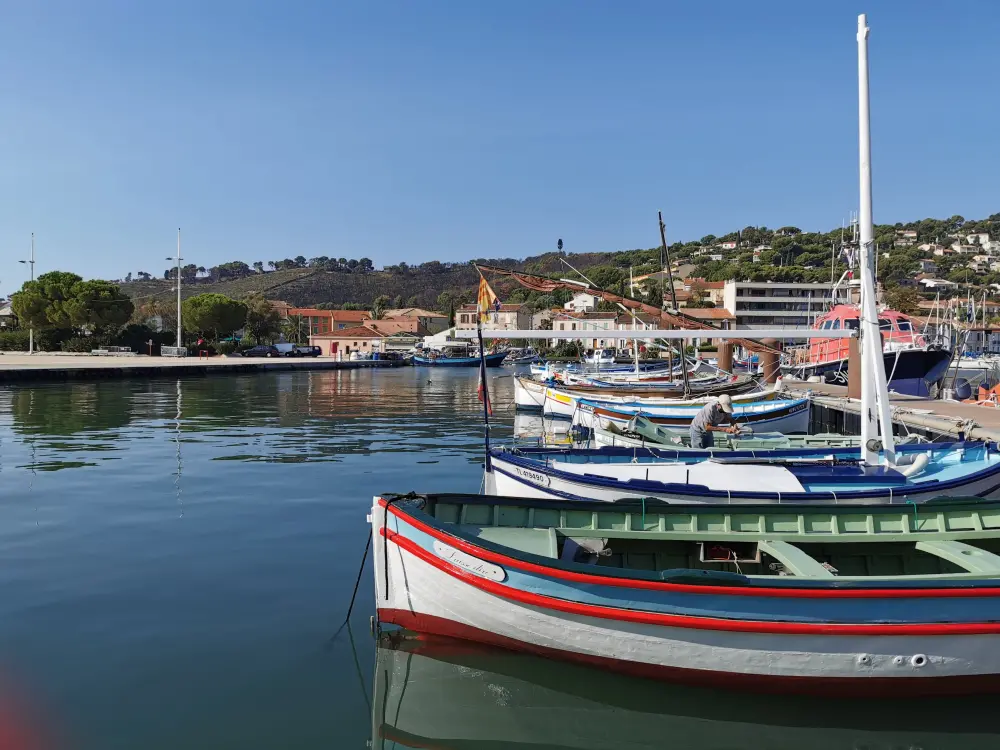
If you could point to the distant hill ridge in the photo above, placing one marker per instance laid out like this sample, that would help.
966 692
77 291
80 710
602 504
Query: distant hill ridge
414 286
755 253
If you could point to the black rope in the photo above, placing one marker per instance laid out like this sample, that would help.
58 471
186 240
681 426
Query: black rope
354 595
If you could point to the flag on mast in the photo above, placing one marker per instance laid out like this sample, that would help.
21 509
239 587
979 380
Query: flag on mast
487 301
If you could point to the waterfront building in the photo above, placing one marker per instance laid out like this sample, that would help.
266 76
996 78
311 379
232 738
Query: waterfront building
510 317
428 321
601 325
774 304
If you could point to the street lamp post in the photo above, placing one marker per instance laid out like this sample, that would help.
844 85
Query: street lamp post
179 259
31 264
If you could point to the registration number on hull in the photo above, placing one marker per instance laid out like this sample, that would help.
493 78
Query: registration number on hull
534 477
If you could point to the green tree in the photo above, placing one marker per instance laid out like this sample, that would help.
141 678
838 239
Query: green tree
62 300
213 313
98 306
905 299
42 303
295 329
896 267
379 306
262 321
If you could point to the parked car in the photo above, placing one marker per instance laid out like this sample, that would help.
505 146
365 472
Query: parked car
308 351
264 350
287 350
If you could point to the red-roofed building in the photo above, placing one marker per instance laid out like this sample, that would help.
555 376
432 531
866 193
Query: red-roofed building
318 321
344 341
430 322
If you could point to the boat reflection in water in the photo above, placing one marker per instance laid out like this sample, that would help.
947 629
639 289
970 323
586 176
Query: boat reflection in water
445 694
535 429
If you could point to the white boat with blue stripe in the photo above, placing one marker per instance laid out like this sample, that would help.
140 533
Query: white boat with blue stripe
813 475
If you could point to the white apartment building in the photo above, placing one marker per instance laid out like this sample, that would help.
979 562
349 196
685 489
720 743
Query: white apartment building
771 304
582 302
595 330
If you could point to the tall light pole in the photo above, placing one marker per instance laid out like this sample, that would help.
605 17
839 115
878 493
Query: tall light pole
31 263
179 259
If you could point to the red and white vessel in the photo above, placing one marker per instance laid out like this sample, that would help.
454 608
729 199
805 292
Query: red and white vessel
912 365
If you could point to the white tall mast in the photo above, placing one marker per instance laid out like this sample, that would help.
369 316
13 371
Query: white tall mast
874 390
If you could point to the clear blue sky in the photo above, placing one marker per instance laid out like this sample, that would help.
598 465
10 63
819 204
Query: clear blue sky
450 130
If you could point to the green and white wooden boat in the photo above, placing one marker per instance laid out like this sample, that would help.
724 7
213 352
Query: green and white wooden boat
453 695
855 600
642 433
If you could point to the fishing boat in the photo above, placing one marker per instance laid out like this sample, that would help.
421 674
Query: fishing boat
829 598
761 410
445 359
449 694
522 357
561 401
529 393
811 475
639 432
912 366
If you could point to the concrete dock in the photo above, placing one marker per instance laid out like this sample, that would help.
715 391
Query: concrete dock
21 367
910 413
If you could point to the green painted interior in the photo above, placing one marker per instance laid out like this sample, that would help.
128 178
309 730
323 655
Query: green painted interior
953 540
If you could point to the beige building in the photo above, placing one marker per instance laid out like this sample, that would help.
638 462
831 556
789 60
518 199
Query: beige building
508 318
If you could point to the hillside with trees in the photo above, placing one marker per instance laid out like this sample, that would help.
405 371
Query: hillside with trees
69 312
751 253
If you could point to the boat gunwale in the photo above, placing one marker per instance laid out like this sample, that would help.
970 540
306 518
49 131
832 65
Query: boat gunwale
725 583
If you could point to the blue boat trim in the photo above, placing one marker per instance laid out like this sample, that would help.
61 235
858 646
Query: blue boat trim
519 459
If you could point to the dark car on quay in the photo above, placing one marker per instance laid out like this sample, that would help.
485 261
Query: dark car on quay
263 350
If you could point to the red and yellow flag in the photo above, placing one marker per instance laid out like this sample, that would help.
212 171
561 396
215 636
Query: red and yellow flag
487 301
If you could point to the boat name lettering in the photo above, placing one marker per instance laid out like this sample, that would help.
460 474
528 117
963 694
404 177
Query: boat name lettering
472 564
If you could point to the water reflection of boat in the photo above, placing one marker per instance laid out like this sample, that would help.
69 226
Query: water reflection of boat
540 430
448 695
450 359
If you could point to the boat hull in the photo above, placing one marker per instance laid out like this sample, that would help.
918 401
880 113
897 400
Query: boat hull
529 395
762 414
694 478
909 371
492 360
567 402
430 582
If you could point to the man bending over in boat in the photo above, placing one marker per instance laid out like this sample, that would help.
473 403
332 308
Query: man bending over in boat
709 420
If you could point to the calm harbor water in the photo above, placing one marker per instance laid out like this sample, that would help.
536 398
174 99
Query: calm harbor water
175 556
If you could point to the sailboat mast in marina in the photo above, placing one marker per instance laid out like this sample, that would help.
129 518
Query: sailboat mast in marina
874 402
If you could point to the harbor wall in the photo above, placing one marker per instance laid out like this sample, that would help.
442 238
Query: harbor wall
40 368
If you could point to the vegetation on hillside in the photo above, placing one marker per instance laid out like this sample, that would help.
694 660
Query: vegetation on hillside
752 253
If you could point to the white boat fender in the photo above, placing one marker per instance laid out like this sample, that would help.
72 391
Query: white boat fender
920 462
